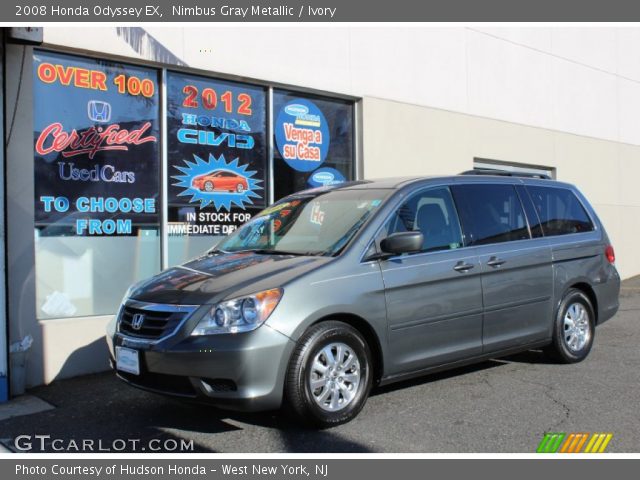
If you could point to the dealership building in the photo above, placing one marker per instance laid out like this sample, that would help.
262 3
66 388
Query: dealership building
128 150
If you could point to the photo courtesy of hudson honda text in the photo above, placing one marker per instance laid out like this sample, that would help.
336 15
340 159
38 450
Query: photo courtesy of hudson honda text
319 470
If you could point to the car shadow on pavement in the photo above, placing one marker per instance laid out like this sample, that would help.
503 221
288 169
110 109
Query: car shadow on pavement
291 434
530 356
436 377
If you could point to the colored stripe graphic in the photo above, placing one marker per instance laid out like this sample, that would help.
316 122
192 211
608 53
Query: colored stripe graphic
569 444
598 443
559 442
551 442
581 442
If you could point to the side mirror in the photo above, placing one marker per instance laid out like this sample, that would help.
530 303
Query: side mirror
402 242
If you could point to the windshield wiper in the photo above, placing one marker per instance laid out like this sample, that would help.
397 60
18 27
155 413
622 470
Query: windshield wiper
267 251
213 251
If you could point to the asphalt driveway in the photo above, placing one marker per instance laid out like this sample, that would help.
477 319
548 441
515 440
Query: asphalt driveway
497 406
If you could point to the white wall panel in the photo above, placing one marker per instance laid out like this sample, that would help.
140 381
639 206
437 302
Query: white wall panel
593 46
629 111
585 101
628 53
100 39
311 57
538 38
413 65
508 82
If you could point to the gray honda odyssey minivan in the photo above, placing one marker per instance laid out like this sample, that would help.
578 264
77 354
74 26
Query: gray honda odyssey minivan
334 290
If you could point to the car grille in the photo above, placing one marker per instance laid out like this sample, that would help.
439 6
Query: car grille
155 323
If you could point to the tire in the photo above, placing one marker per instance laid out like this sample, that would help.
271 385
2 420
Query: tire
339 397
572 346
208 186
239 188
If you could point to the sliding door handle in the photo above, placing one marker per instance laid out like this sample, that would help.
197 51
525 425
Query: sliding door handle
495 262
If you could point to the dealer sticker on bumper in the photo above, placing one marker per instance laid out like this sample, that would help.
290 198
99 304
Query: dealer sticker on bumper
127 360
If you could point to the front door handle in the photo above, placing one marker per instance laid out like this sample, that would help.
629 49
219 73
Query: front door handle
463 267
495 262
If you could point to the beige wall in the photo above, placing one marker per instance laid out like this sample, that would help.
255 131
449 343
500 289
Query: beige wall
72 346
401 139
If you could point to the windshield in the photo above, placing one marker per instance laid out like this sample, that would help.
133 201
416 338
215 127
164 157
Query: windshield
317 224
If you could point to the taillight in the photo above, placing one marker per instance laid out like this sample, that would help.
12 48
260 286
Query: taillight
610 254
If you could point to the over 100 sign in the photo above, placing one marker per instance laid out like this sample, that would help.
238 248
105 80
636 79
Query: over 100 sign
96 144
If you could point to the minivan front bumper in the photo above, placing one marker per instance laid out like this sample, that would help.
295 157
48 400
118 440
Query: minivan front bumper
241 371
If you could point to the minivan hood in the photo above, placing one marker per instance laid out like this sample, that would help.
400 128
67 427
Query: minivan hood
211 278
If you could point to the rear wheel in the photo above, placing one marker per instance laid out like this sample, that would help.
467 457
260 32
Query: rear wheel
329 376
574 327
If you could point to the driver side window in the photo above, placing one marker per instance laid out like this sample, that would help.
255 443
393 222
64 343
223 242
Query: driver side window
432 212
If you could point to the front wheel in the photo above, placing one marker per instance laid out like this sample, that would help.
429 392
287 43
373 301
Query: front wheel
329 376
574 327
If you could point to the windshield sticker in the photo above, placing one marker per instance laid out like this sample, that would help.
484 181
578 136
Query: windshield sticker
218 183
317 215
375 203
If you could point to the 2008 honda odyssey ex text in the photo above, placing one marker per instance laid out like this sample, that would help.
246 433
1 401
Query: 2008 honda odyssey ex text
333 290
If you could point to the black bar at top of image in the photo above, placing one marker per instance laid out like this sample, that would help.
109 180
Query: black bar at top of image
39 11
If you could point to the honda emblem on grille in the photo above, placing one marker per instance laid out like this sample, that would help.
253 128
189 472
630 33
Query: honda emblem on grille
137 321
99 111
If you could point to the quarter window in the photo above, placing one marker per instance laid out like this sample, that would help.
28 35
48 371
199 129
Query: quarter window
560 212
490 213
431 212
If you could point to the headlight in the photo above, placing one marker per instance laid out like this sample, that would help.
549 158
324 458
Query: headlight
240 314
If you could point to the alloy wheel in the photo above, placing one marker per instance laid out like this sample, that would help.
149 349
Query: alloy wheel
576 327
334 377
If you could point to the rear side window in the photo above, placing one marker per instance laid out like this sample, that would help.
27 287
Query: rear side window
490 213
559 210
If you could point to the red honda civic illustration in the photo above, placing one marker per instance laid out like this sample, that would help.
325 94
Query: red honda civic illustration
220 180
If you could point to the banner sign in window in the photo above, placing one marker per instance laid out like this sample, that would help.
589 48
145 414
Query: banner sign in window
217 149
302 135
96 146
314 140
